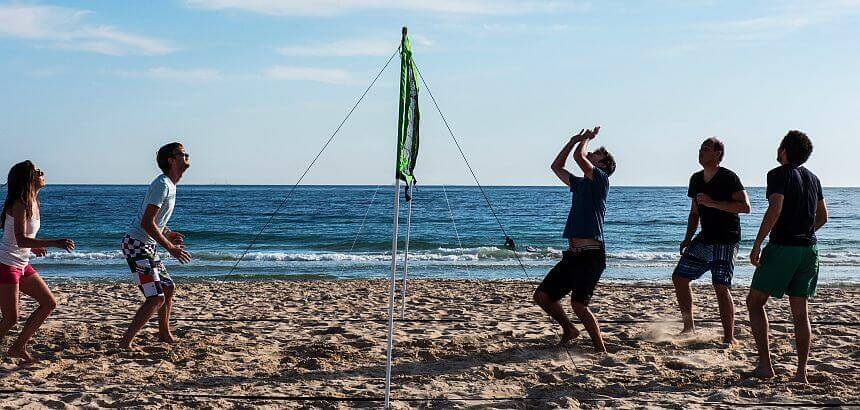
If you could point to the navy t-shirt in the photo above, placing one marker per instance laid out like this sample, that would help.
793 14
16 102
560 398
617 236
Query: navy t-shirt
801 190
718 226
585 219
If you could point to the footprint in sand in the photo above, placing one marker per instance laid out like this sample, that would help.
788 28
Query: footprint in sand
332 330
683 362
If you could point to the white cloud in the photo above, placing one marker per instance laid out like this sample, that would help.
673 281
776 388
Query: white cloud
46 72
167 73
784 20
323 75
523 28
777 24
759 27
66 28
343 48
339 7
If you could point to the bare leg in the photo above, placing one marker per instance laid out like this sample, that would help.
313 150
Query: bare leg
556 311
802 335
758 321
35 287
144 313
164 316
590 322
9 308
685 302
727 312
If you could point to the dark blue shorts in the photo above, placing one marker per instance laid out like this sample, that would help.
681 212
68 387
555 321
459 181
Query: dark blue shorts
701 257
577 273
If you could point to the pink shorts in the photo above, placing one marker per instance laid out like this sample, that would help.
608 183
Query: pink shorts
10 275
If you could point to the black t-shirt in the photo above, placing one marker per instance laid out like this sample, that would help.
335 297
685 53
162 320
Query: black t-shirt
802 192
718 226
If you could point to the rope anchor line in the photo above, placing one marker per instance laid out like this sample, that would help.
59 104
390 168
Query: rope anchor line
509 242
286 198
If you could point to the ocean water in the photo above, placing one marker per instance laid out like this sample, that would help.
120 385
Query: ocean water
337 232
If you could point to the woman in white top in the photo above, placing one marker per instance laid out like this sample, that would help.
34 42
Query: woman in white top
20 222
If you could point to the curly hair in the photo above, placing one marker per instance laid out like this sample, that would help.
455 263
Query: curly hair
797 146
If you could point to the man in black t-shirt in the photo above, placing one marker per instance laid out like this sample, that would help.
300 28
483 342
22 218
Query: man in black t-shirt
717 198
789 262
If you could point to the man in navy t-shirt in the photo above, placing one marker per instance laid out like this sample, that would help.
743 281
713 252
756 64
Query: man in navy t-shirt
717 198
585 259
789 263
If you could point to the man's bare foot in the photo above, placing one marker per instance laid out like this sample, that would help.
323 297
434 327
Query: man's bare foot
687 330
729 342
166 338
20 353
801 378
568 336
761 372
126 345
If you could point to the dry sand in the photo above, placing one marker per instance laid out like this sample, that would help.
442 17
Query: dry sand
484 343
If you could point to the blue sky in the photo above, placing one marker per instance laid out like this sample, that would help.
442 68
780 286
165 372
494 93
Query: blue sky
254 87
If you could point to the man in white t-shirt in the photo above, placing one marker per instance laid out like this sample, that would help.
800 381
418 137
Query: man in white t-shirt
147 229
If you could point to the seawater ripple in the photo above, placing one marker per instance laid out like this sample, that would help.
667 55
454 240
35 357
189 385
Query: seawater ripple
441 255
317 232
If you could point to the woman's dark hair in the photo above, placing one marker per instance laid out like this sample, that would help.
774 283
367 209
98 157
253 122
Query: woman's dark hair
20 186
797 146
164 153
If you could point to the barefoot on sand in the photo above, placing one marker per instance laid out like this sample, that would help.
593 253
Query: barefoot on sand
20 354
762 373
568 336
166 338
801 378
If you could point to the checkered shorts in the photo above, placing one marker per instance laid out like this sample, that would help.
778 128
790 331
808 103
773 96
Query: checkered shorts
146 267
701 257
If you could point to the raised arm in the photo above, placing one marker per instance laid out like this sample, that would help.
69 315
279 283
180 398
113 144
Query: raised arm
560 159
820 214
579 153
740 203
147 223
774 208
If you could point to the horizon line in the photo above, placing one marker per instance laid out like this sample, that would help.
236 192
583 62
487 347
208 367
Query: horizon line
427 185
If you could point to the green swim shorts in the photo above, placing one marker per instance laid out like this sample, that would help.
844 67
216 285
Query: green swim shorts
791 270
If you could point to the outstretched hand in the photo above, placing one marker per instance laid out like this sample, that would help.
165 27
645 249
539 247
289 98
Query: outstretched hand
585 134
175 238
180 254
65 243
591 134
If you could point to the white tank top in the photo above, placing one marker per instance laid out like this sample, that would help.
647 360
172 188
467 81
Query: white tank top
10 253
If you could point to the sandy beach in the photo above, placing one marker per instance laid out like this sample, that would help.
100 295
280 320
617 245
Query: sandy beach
463 344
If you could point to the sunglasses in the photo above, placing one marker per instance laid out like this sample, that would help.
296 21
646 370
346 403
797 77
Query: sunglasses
182 154
39 172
